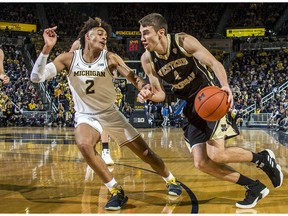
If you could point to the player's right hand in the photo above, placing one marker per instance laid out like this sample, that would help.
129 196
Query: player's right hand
144 94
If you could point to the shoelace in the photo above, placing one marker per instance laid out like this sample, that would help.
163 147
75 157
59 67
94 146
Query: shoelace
115 191
172 181
247 193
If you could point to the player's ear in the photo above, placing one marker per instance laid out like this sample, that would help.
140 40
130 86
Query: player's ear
87 36
161 32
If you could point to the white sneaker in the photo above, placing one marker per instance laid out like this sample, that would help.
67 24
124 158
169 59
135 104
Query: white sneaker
107 157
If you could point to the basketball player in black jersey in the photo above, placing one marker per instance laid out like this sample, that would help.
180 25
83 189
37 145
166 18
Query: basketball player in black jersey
182 61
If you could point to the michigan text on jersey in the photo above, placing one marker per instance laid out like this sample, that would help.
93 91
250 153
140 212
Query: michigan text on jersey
89 73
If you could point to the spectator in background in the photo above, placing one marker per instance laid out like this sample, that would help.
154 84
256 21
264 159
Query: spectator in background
32 106
151 109
165 111
40 106
22 120
119 97
283 123
127 110
2 116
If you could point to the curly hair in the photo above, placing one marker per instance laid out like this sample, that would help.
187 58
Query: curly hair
93 23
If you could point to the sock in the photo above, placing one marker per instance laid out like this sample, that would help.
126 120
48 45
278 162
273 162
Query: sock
243 180
105 145
257 158
111 184
170 176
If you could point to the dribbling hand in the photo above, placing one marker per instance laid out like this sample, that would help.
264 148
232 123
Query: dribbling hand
230 96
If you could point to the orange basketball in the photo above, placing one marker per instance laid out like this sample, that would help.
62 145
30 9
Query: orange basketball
211 103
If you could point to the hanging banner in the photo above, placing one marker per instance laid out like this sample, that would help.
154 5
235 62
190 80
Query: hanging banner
246 32
22 27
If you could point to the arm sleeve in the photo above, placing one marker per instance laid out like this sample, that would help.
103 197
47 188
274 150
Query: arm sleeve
42 71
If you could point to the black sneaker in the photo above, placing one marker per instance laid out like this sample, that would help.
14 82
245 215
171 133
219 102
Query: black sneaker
254 193
117 200
271 168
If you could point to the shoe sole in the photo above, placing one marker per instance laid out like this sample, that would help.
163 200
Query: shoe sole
174 194
264 193
118 207
272 155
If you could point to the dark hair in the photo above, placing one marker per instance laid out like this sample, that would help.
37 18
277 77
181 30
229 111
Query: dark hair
93 23
156 20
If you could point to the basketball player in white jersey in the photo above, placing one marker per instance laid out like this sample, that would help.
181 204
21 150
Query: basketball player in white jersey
90 80
104 136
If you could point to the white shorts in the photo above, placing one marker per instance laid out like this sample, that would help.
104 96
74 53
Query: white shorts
112 121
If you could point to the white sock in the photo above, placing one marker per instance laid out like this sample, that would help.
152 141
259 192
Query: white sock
110 184
170 176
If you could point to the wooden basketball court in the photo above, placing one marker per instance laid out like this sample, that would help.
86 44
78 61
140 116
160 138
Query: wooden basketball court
42 171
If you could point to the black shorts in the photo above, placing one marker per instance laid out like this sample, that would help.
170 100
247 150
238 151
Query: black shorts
198 130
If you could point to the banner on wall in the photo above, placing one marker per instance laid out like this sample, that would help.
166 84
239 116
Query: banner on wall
22 27
246 32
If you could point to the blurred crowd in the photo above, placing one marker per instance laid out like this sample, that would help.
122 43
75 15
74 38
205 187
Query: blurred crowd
252 74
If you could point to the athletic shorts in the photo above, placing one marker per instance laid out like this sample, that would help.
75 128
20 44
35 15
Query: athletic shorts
114 123
198 130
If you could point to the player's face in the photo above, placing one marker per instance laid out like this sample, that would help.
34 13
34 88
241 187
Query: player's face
97 38
149 37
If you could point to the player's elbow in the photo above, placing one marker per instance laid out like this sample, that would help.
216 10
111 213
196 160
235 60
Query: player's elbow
158 99
35 78
161 97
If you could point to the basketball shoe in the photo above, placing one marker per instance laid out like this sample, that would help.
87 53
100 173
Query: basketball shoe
107 157
174 187
271 168
117 200
254 193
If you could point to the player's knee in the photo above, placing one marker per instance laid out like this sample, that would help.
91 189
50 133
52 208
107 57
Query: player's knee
84 145
217 158
200 164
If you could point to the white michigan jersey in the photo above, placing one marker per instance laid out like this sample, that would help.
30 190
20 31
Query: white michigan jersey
91 84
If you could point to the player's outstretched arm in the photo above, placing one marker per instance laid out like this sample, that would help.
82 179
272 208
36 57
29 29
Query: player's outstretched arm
116 62
41 70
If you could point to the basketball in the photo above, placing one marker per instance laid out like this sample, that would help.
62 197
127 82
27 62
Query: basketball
211 103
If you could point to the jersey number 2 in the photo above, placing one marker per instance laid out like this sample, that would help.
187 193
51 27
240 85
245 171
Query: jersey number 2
89 89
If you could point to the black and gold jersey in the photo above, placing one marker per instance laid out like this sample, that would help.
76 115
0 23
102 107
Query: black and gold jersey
179 68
